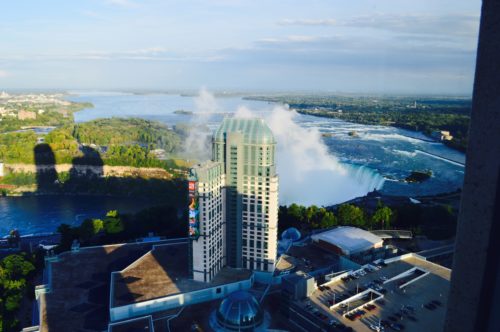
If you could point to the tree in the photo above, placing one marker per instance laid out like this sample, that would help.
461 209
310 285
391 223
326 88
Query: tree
310 213
351 215
14 270
68 234
327 220
383 216
90 227
113 223
16 267
296 212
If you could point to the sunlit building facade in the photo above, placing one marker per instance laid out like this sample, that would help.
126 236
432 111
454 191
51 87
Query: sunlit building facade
246 148
207 220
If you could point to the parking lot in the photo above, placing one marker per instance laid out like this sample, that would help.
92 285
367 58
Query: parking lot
419 306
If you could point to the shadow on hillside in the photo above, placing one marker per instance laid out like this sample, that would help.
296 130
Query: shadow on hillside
45 161
86 177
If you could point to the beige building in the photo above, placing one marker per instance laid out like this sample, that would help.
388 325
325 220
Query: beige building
207 220
442 135
26 115
234 201
247 148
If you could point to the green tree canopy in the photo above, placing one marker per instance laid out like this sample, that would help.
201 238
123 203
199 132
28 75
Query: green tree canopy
90 227
113 223
16 267
351 215
383 216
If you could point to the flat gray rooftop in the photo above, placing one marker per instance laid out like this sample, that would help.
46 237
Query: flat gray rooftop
431 287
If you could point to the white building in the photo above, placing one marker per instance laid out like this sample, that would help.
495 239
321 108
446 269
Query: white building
347 240
234 201
246 148
207 220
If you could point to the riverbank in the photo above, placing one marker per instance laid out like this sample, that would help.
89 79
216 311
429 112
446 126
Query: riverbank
105 170
28 179
455 144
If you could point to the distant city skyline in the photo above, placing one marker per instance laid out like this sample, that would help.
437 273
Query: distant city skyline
368 46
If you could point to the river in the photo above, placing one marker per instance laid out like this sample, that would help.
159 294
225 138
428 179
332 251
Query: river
318 161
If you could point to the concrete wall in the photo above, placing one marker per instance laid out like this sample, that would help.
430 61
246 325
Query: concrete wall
177 300
474 302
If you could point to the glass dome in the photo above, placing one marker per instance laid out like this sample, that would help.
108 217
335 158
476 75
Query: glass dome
240 311
255 130
291 233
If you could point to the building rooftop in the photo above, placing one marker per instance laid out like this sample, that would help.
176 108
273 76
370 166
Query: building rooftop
78 285
254 130
349 239
162 272
142 324
401 289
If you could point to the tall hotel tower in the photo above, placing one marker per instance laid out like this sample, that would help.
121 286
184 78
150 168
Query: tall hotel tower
234 218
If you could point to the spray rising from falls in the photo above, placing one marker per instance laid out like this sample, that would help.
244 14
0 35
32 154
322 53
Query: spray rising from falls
197 143
309 174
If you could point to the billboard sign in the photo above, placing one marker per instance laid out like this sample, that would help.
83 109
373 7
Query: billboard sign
194 224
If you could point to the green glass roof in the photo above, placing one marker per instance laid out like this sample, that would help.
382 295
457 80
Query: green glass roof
254 130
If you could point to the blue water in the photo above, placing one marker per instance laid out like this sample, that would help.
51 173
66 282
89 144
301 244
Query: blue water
38 214
371 160
382 152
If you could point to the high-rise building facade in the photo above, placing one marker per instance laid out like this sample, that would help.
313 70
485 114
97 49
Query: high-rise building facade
236 198
246 148
207 220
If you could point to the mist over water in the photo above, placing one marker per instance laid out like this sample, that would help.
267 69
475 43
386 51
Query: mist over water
197 144
308 173
318 161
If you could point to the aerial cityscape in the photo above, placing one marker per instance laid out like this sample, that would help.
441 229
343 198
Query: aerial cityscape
232 166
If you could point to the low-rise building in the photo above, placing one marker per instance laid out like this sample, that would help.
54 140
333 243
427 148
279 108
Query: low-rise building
347 240
402 293
123 285
442 135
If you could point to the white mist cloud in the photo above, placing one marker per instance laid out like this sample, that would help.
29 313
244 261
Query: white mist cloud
244 112
308 173
205 102
197 145
3 73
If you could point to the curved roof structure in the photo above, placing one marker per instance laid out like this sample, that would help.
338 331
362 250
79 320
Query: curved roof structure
350 240
291 233
240 311
254 130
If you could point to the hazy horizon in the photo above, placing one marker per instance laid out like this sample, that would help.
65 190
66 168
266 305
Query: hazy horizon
367 47
229 92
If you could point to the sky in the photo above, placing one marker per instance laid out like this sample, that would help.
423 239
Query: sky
363 46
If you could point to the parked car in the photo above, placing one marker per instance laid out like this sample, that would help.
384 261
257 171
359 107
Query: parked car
377 328
397 327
